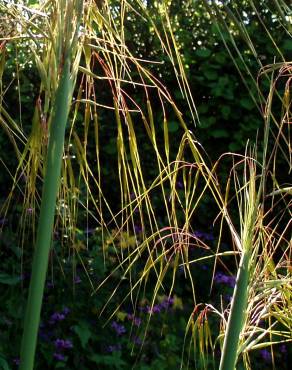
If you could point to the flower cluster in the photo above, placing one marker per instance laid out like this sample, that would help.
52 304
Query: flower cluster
61 345
164 305
59 316
221 278
136 320
119 329
48 333
59 356
266 355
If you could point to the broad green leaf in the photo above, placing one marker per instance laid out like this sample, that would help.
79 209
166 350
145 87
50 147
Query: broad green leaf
83 332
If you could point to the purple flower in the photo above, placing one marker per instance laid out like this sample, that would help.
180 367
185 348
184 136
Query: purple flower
164 305
119 329
59 356
136 320
55 317
155 309
138 229
167 302
225 279
266 355
63 343
283 348
136 340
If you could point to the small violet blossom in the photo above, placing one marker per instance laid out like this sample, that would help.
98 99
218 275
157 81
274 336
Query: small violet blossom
164 305
225 279
155 309
266 355
63 343
137 340
136 320
167 302
59 356
56 317
138 229
119 329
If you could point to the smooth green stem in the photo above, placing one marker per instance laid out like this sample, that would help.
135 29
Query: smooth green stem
237 315
46 220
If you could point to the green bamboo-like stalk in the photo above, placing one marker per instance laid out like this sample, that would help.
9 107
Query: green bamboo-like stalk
46 220
237 314
236 317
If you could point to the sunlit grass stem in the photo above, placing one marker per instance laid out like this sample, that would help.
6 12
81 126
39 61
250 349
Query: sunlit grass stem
46 220
237 315
236 319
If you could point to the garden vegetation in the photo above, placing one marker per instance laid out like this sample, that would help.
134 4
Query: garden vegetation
145 184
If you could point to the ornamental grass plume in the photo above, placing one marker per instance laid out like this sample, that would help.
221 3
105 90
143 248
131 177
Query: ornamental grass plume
261 241
65 40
